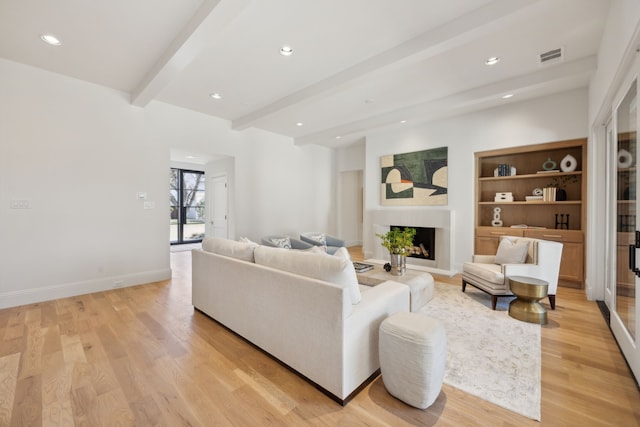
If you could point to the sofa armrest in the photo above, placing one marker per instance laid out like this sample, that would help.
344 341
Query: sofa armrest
362 326
484 259
527 270
334 241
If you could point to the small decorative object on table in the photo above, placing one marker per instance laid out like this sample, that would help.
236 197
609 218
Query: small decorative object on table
398 242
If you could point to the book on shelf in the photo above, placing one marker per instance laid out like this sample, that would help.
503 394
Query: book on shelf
533 198
549 171
549 194
362 267
532 227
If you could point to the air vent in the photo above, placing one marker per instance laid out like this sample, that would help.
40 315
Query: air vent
550 57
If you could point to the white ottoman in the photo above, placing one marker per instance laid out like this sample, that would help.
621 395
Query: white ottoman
413 352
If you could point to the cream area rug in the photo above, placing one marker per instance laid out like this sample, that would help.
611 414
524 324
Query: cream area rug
489 354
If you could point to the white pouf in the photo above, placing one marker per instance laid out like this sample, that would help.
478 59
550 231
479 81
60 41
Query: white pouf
413 353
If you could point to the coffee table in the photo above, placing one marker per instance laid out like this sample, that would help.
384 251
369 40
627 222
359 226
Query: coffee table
420 283
526 307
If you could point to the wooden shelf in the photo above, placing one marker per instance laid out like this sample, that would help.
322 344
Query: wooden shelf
528 161
529 176
564 202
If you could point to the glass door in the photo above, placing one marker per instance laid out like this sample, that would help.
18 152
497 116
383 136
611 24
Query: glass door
623 157
186 206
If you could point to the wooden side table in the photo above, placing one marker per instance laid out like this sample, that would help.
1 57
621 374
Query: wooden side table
526 307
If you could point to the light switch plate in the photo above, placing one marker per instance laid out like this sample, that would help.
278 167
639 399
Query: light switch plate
20 204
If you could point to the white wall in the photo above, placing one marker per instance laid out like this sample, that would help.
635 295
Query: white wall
553 118
80 153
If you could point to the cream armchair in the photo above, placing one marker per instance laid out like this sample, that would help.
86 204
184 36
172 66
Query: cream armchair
542 261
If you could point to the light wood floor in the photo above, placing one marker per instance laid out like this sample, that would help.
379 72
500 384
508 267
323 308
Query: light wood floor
142 356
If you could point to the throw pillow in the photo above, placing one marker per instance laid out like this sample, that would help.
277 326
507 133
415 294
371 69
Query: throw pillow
281 242
511 252
230 248
342 252
320 238
246 240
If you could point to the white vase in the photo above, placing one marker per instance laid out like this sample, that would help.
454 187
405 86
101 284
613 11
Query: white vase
568 163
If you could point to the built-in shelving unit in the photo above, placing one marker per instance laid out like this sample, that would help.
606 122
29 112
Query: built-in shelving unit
560 220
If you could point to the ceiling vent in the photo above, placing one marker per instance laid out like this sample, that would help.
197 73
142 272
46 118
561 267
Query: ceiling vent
551 57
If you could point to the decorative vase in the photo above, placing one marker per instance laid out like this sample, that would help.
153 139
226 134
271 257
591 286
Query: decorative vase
561 195
568 163
398 264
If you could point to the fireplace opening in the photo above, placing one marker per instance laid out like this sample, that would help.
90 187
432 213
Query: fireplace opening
424 242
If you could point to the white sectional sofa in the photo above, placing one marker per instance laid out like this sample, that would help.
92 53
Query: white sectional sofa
303 308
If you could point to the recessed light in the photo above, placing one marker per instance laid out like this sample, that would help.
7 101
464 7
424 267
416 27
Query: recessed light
216 95
403 121
191 157
286 50
338 137
492 61
50 39
299 124
507 96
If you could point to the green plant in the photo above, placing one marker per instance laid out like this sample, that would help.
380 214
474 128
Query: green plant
562 181
398 241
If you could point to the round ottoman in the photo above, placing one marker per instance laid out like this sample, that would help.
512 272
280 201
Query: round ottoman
413 352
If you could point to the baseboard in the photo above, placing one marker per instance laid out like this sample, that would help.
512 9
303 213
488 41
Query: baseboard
65 290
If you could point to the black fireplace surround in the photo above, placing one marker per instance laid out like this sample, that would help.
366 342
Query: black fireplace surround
424 242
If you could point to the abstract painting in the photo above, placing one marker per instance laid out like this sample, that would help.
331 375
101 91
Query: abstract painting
414 179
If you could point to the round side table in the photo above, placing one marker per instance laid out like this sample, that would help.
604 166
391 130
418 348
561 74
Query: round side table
526 307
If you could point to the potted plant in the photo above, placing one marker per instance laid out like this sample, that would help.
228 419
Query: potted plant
560 182
398 242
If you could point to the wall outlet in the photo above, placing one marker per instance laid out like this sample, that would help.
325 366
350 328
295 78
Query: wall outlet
118 283
142 195
20 204
149 205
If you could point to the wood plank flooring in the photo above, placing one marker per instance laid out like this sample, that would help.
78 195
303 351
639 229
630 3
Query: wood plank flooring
141 356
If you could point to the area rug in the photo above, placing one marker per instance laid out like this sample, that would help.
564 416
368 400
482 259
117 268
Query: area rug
489 354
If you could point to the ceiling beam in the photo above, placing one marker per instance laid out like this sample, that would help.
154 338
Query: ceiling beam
204 26
526 86
421 47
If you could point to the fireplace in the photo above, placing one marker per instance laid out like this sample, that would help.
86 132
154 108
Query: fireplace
424 242
441 249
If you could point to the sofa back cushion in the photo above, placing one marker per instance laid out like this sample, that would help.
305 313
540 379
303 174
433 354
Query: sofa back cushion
230 248
333 269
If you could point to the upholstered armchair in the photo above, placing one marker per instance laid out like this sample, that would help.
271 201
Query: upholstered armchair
286 242
516 256
320 239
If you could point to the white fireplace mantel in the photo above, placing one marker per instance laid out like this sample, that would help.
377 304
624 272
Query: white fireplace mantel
378 221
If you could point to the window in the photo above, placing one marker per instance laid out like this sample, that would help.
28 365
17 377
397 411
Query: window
186 206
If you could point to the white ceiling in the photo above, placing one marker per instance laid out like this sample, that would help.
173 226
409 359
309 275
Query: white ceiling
357 66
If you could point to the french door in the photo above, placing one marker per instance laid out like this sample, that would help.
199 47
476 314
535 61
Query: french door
186 206
624 226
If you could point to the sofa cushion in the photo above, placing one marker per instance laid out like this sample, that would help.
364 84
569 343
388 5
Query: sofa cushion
230 248
489 272
332 269
512 252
